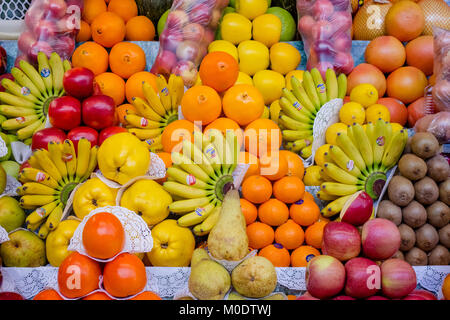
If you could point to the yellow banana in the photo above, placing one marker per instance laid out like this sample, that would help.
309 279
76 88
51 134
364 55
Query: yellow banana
196 217
179 85
394 149
141 122
143 134
274 111
212 155
319 84
154 143
340 189
84 151
45 71
325 196
33 75
306 152
296 104
293 124
56 64
43 231
187 165
164 94
206 226
28 131
15 111
364 144
19 122
308 85
339 175
342 85
54 217
34 188
152 98
21 92
13 100
47 165
335 206
36 200
378 141
293 135
55 152
197 156
33 174
184 191
172 91
67 65
70 158
292 112
343 161
232 141
301 95
188 205
34 227
344 142
331 84
41 213
92 162
185 178
145 110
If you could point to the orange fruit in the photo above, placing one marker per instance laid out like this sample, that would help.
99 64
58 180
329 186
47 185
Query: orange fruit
126 9
249 211
273 212
314 234
259 235
289 189
277 254
133 86
167 159
48 294
147 295
123 110
126 59
257 189
201 103
262 136
85 32
103 235
124 276
91 55
140 28
219 70
243 103
273 165
78 275
290 235
99 295
108 29
304 212
111 85
92 8
301 256
252 161
446 287
295 164
175 133
291 297
224 124
308 196
397 109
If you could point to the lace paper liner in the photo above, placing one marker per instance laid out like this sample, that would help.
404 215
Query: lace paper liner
239 174
21 152
3 148
230 265
138 237
11 186
3 235
326 116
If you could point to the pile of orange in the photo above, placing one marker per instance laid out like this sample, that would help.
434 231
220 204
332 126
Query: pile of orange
283 220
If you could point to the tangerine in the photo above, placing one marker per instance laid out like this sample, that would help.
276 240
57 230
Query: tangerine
223 124
304 212
290 235
147 295
252 161
91 55
108 28
295 163
277 254
126 59
273 165
111 85
262 136
257 189
249 211
123 110
273 212
446 287
174 134
302 255
201 103
85 33
140 28
99 295
259 235
219 70
243 103
289 189
92 8
133 86
126 9
314 234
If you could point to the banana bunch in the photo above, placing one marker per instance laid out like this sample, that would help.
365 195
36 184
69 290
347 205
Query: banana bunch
200 177
25 101
359 161
48 183
156 111
296 110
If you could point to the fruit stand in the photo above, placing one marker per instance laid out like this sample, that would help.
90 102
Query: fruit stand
225 150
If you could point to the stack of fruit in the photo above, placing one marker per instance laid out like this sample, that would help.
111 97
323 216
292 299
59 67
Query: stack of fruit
417 202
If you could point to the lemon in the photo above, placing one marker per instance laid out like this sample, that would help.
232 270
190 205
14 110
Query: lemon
284 57
225 46
235 28
319 156
251 8
270 84
253 57
267 29
312 176
376 111
352 112
396 127
365 94
243 78
294 73
333 130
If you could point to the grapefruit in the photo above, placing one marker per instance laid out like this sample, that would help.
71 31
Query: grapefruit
367 73
405 20
406 84
420 54
387 53
397 109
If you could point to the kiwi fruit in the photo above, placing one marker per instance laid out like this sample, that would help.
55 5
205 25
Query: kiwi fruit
444 192
390 211
438 214
427 237
426 190
444 236
400 191
439 256
407 236
424 145
412 167
416 257
407 148
438 168
398 255
414 214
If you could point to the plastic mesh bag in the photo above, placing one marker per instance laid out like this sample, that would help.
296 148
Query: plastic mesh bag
325 28
50 26
13 9
441 65
190 27
438 124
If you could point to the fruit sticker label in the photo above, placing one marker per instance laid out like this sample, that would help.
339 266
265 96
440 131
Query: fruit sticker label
20 119
45 72
144 122
350 165
66 157
211 152
380 141
165 91
25 91
200 211
299 202
321 88
190 180
297 105
41 212
150 141
40 176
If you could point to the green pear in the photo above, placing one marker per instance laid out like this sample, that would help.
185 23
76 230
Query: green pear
12 215
208 280
228 238
2 180
24 249
12 168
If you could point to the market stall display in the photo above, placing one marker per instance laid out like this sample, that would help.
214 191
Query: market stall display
226 161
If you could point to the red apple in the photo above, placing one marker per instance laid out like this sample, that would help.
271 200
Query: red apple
187 70
325 276
358 209
57 8
380 239
79 82
176 20
65 113
64 46
201 14
425 294
25 41
341 240
187 50
305 25
164 63
398 278
307 296
42 137
343 298
107 132
377 298
194 32
44 30
98 111
7 76
363 278
83 132
413 296
10 296
38 46
322 9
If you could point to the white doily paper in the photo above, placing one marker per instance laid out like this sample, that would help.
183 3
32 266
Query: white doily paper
21 152
239 174
325 117
3 148
11 186
138 237
3 235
